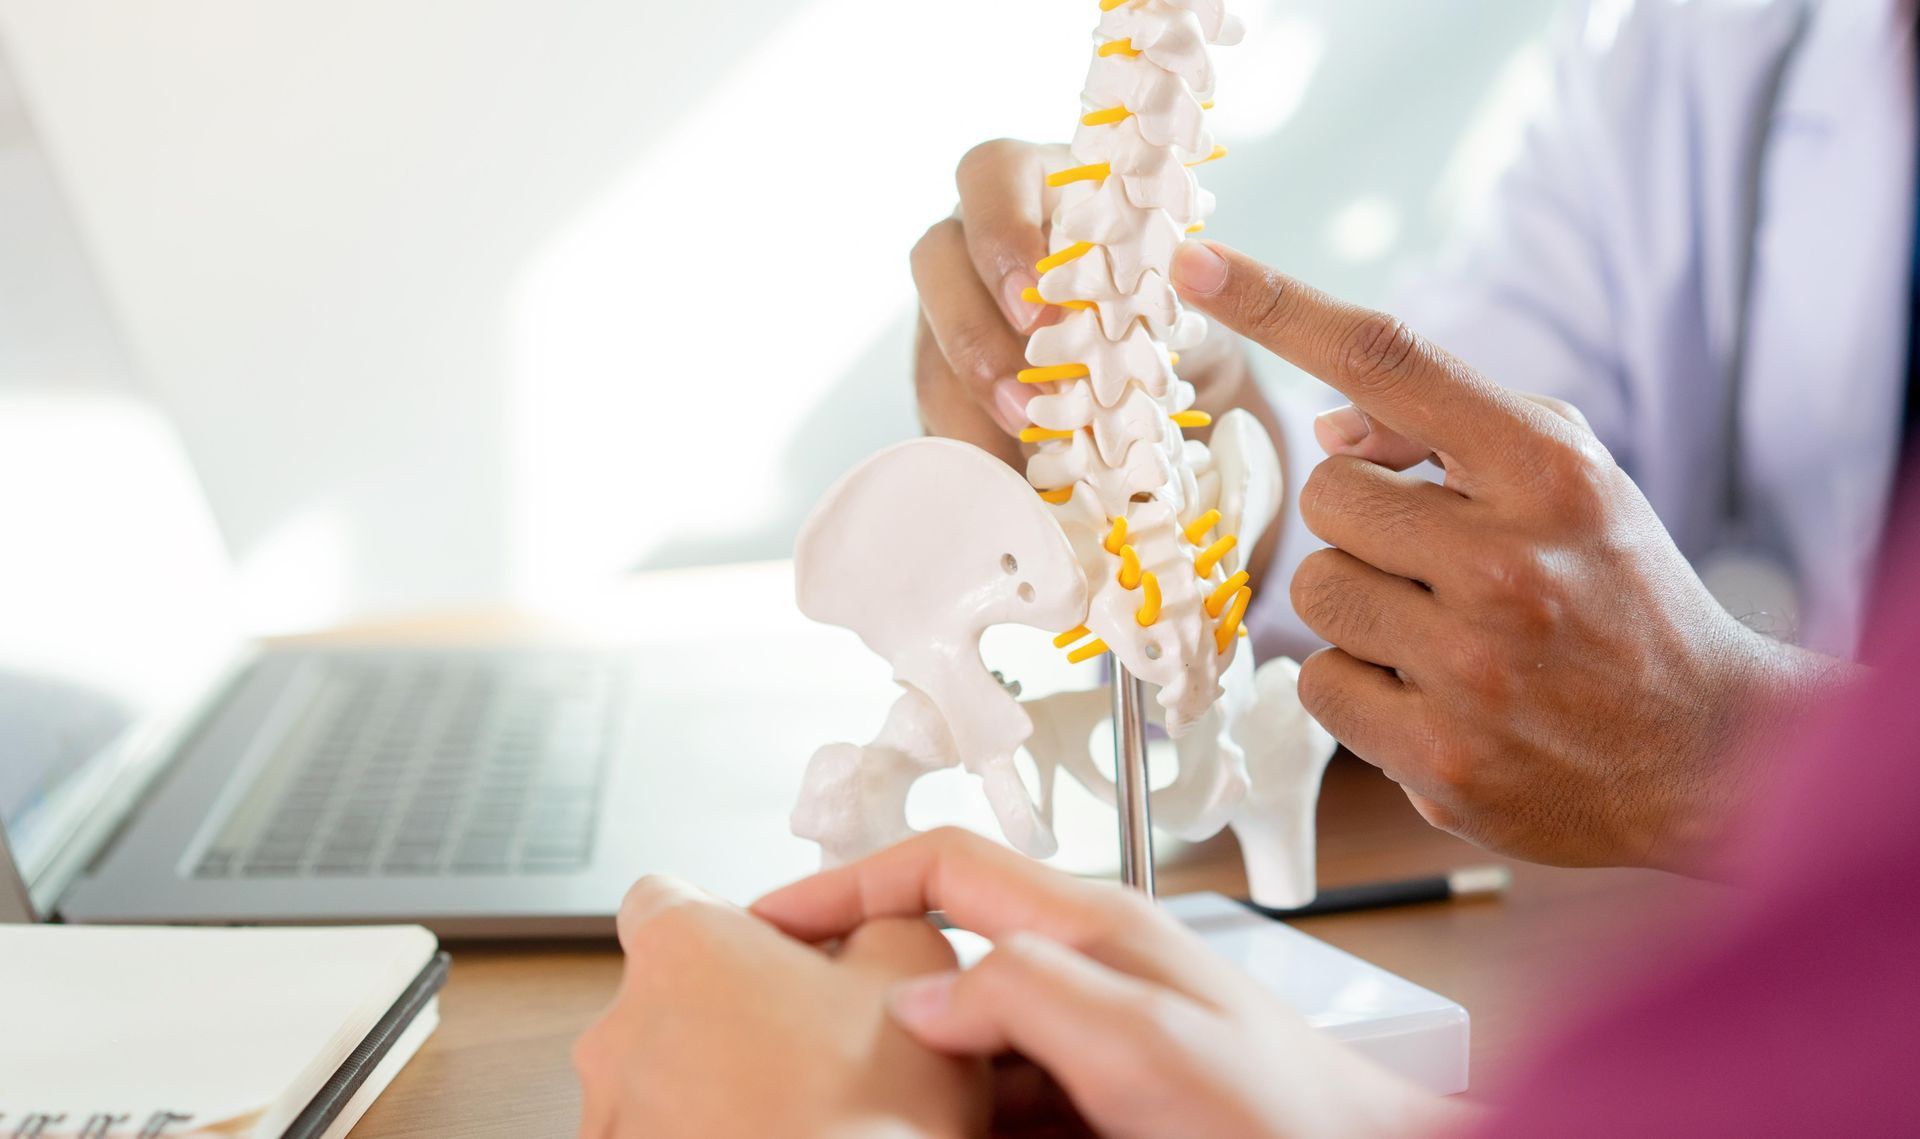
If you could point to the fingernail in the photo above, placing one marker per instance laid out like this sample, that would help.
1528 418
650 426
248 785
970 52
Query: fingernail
1349 425
923 999
1023 312
1199 268
1010 405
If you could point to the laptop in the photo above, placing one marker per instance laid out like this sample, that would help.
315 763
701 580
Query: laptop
157 767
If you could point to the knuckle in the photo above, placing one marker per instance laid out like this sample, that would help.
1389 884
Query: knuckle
1263 310
1376 349
1332 493
1481 670
974 352
1451 770
1106 914
1110 915
1125 912
952 849
1438 815
1321 496
590 1056
1523 593
1579 472
1442 758
649 886
642 899
1579 461
656 911
1348 490
1506 572
1324 696
1533 617
1326 601
933 256
949 840
1561 408
986 156
1309 580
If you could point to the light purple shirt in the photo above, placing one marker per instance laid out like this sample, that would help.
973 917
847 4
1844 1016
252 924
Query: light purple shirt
1705 247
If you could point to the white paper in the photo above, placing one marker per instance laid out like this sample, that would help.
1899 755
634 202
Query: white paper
216 1024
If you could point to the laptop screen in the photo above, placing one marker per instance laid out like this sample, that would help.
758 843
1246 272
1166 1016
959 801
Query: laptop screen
114 586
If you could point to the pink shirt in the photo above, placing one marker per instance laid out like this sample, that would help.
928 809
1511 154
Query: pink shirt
1803 1016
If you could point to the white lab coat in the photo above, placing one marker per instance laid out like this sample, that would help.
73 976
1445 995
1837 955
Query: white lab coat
1706 246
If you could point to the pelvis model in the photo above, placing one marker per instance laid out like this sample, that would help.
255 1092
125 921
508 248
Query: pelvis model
1125 533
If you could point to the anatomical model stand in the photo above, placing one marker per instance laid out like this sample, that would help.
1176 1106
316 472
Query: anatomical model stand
1130 537
1132 794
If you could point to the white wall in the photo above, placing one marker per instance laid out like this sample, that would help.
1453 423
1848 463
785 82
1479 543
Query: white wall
458 299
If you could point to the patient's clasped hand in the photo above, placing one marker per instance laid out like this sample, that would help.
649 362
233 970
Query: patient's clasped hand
833 1009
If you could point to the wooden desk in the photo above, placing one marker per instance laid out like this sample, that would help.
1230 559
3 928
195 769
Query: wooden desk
499 1064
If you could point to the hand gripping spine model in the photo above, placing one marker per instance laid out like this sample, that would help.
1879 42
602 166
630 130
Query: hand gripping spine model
1134 541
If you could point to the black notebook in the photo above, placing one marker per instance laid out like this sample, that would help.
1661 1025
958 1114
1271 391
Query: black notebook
144 1033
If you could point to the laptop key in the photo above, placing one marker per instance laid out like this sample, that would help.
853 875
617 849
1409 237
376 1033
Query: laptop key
429 767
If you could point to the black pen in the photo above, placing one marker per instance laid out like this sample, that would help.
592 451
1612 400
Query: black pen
1470 882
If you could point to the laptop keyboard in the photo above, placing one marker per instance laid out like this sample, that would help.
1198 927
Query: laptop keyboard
440 765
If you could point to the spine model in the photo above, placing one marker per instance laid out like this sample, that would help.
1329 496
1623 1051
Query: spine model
1135 538
1148 513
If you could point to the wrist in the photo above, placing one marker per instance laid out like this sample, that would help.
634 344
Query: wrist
1756 688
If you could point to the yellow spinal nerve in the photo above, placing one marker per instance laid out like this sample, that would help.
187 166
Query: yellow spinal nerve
1168 587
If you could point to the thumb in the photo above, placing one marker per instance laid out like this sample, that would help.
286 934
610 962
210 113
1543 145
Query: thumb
1350 431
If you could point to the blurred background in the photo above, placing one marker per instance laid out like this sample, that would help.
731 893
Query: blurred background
464 301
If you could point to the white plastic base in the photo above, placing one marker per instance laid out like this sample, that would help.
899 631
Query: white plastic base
1419 1034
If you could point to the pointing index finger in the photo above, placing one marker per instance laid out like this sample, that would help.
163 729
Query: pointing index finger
1372 358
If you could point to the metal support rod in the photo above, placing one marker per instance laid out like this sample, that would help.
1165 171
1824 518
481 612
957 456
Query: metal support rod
1130 777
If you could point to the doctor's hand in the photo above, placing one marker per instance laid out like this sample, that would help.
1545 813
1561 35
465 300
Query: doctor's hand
1523 649
971 270
1149 1034
725 1027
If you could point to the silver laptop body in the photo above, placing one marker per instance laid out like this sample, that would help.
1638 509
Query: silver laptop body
154 767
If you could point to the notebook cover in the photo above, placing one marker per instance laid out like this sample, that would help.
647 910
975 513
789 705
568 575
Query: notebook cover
360 1063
